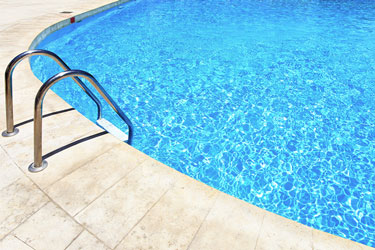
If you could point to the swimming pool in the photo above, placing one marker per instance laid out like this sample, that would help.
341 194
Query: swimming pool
269 101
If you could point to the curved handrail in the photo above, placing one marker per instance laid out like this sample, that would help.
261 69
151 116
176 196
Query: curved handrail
39 164
10 131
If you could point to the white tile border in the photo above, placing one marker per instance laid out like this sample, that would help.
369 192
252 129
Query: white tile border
57 26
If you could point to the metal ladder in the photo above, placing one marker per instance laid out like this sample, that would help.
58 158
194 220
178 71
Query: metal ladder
39 164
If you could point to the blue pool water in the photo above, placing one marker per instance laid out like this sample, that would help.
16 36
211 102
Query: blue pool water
270 101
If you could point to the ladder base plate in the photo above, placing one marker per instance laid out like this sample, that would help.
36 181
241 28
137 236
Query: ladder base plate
34 169
6 134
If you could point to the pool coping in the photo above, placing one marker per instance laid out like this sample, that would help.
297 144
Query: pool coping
211 225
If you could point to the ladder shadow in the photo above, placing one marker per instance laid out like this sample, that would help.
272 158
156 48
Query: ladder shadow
72 144
46 115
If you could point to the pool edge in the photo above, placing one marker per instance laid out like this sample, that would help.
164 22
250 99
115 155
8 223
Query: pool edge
72 19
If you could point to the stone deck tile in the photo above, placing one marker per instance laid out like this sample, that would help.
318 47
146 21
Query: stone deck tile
58 130
25 129
23 78
25 110
231 224
19 200
326 241
76 190
119 209
278 232
9 171
19 10
49 228
175 219
69 160
10 242
86 241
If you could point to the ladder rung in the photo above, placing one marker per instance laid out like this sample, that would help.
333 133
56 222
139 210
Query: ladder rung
112 129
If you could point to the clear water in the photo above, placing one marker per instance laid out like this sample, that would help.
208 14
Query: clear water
270 101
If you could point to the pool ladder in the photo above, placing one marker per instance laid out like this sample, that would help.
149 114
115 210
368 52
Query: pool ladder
39 164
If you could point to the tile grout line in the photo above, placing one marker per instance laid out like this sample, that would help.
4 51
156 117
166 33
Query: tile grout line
114 184
13 163
85 228
51 200
71 217
74 238
84 163
260 229
15 236
204 219
57 205
80 166
96 237
153 205
312 239
12 182
24 119
32 213
23 221
73 139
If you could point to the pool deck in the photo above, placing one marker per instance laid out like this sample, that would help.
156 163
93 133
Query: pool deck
103 194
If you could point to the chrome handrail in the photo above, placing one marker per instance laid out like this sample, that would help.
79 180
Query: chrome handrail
39 164
11 130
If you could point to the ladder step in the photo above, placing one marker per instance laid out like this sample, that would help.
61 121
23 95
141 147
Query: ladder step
112 129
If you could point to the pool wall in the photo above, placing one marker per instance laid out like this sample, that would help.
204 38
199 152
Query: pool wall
74 18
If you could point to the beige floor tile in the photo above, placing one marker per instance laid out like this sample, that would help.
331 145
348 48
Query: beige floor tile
280 233
174 220
231 224
87 241
113 214
23 110
19 82
49 228
12 243
18 201
58 131
9 171
69 160
76 190
325 241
